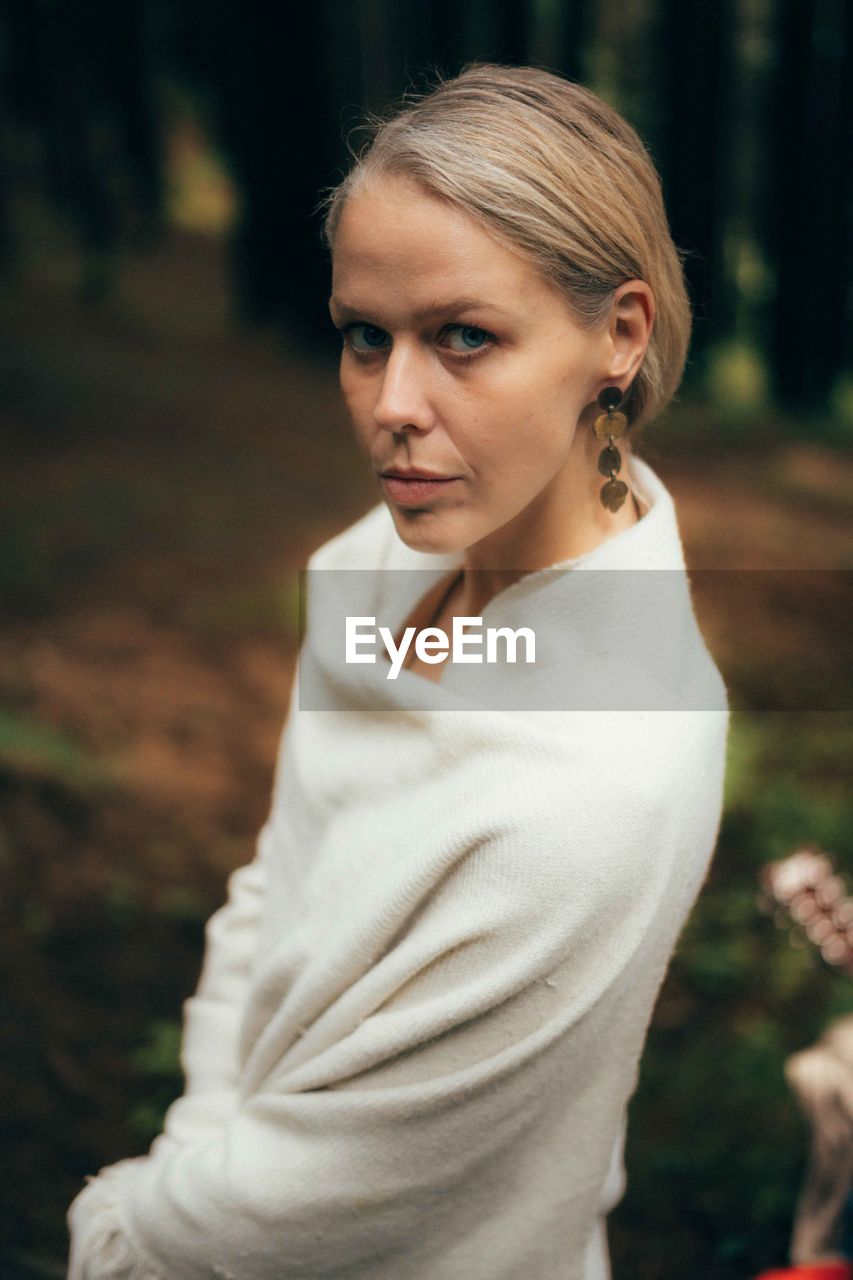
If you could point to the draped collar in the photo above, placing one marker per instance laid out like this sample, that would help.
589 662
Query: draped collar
620 639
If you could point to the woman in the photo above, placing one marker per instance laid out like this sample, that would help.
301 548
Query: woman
423 1005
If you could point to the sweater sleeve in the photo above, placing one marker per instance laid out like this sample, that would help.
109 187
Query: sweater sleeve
209 1059
354 1143
211 1016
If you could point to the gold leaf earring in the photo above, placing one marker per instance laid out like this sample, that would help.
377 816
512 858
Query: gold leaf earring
610 426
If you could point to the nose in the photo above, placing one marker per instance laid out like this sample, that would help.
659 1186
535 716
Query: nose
404 399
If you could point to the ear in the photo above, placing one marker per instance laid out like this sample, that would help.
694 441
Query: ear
630 327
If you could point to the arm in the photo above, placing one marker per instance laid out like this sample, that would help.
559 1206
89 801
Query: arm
209 1047
209 1041
208 1056
211 1017
355 1151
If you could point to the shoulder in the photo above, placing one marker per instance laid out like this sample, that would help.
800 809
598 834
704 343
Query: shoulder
593 779
623 793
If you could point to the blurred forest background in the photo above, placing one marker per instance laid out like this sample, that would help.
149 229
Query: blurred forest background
174 446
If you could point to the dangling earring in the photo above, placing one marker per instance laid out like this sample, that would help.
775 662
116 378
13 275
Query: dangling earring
611 426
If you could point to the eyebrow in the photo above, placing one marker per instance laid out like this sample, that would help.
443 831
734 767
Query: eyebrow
348 311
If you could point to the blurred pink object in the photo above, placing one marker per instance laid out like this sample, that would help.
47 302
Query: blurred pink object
811 1271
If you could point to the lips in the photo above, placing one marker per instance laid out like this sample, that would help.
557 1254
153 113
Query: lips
414 488
415 474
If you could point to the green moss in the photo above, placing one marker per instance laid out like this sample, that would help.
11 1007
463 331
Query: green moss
26 743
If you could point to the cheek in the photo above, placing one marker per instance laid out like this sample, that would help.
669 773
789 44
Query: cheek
529 408
358 402
519 443
352 389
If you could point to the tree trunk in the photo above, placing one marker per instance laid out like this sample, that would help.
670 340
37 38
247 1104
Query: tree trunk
696 81
810 198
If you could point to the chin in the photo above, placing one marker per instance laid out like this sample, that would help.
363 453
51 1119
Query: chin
425 530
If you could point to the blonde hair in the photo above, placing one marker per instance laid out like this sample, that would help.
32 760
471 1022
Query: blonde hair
550 170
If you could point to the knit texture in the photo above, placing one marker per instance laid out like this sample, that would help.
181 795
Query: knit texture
422 1007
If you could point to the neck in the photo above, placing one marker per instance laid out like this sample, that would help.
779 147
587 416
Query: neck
566 521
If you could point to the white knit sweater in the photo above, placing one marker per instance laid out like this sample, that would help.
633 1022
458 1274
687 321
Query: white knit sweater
422 1007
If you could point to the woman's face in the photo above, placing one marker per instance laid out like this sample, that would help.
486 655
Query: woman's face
459 359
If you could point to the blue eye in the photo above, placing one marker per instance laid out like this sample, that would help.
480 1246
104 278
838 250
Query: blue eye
474 340
371 332
467 332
